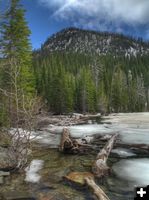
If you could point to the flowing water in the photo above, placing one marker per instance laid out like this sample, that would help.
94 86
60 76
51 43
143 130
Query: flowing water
44 178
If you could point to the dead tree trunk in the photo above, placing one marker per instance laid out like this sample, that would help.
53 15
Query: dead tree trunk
66 142
70 145
100 167
98 192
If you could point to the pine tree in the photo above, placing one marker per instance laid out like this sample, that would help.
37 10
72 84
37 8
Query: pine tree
16 74
86 91
118 91
16 48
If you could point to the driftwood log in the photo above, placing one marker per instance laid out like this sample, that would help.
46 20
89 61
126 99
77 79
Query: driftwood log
70 145
98 192
100 167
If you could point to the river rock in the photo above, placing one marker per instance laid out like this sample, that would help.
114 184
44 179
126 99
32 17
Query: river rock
2 174
1 180
7 160
52 196
17 195
78 177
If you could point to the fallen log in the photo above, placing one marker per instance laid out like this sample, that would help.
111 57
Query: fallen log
86 178
98 192
100 167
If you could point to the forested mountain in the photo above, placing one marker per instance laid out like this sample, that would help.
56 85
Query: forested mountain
91 42
85 71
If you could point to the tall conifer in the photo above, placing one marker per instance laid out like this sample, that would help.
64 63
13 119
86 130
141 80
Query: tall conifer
16 48
16 73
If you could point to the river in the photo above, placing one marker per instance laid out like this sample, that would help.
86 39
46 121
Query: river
43 180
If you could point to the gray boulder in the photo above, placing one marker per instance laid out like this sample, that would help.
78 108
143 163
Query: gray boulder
7 159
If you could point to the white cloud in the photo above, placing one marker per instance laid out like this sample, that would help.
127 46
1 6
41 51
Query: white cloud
95 13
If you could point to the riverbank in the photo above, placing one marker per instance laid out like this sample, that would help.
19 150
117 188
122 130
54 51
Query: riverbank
65 120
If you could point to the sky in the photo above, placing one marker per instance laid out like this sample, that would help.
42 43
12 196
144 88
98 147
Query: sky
46 17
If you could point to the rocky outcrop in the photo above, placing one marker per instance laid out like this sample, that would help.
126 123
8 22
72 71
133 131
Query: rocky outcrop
92 42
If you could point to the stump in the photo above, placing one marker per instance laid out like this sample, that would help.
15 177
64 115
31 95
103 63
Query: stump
70 145
66 142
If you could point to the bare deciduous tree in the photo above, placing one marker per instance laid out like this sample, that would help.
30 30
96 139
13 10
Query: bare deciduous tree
22 111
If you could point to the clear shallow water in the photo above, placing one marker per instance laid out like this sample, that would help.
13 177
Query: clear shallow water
126 164
118 186
51 182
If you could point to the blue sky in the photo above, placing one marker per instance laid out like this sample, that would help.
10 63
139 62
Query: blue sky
45 17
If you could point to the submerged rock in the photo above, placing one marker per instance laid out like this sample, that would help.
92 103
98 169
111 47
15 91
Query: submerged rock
51 196
1 180
78 177
2 175
17 195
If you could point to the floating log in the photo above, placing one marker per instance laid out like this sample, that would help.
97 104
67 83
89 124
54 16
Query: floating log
98 192
100 167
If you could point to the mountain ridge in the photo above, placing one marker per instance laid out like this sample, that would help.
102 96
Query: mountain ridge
71 81
91 42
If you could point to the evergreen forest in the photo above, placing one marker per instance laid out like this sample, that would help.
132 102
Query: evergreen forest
73 82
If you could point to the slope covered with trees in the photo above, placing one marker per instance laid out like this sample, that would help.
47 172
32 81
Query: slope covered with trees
83 83
88 71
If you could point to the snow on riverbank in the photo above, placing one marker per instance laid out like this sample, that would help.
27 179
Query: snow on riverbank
135 171
32 171
133 120
133 128
124 153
